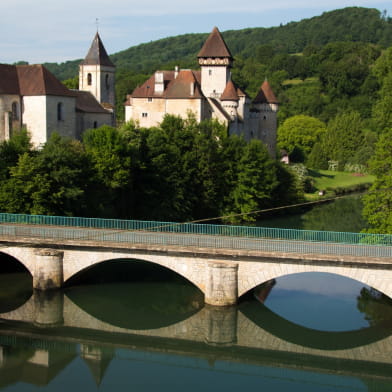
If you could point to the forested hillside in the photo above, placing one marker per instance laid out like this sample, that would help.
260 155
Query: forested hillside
296 49
349 24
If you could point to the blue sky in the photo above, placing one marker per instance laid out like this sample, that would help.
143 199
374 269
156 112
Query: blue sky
56 31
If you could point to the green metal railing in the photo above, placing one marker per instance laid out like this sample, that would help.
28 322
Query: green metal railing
60 235
200 229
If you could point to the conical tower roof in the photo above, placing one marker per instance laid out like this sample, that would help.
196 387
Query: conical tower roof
265 94
230 92
97 54
215 46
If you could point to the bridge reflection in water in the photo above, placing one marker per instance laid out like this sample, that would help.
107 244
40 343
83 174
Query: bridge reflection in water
50 331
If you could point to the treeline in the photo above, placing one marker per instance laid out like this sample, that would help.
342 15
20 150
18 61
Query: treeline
346 139
330 54
181 171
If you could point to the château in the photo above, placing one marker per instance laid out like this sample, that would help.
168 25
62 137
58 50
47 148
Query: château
208 93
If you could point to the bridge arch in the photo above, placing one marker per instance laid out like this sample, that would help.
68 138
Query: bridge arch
24 256
77 261
251 275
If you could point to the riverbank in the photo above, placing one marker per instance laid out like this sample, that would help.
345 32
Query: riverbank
327 183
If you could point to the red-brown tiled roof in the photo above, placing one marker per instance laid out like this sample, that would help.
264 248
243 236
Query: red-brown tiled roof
185 85
37 80
147 89
86 102
230 92
9 83
265 94
215 46
174 87
97 54
241 93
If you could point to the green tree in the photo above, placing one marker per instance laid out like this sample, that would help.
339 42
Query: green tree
11 149
378 201
382 114
344 137
298 134
257 180
71 83
51 182
110 158
209 180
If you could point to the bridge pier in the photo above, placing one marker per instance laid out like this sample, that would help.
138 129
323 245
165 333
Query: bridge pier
48 269
221 284
221 325
48 308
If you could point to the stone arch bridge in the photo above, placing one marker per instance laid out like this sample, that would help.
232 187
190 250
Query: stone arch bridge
223 267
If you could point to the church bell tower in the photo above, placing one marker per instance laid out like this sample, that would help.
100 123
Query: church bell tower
96 74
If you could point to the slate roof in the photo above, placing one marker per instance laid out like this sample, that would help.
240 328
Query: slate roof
265 94
97 54
86 102
30 80
215 46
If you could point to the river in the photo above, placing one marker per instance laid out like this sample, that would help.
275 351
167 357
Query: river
133 326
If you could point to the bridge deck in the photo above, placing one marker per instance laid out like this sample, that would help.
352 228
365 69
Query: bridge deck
200 244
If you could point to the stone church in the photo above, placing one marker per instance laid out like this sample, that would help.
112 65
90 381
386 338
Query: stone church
32 97
208 94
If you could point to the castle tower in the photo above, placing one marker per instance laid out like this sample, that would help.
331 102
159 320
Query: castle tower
229 99
267 107
215 61
96 74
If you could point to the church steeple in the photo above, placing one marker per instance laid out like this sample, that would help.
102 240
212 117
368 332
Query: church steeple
97 54
96 74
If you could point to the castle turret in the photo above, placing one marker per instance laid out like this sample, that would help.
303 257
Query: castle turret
267 107
96 74
215 61
229 99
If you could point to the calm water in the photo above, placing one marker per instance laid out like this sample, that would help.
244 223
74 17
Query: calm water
341 215
133 326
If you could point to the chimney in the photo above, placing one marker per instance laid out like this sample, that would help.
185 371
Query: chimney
159 82
192 89
175 72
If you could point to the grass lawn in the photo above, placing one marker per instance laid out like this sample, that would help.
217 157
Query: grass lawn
333 182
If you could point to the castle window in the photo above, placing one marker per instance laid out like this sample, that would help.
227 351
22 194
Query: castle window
265 117
15 111
149 99
107 82
89 79
95 125
60 111
144 114
209 72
